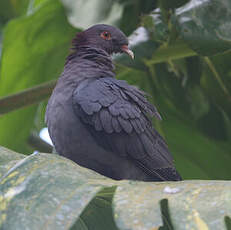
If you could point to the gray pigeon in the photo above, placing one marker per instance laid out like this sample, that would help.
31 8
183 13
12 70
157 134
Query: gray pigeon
103 123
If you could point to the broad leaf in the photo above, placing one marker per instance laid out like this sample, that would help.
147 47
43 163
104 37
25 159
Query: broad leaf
46 191
97 11
34 50
12 8
192 93
205 25
137 204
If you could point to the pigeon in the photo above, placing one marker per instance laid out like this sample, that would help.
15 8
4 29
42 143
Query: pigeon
102 123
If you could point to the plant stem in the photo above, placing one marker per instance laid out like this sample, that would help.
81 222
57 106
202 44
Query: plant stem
217 76
27 97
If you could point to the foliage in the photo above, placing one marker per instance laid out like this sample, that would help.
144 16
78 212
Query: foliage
182 59
36 194
191 91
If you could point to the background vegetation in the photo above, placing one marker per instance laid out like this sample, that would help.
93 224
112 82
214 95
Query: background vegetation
183 62
182 59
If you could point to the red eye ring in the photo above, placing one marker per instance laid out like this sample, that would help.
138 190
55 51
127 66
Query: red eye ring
105 35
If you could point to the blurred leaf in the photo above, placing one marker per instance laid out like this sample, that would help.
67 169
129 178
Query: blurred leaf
205 25
66 196
108 12
156 26
84 14
196 156
37 3
175 51
39 122
228 222
12 8
192 70
199 102
213 123
165 4
216 82
98 213
169 91
0 41
134 9
37 55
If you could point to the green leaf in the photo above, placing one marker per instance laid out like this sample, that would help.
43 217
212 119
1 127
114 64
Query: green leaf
97 11
205 25
175 51
34 49
98 213
134 9
8 159
12 8
155 24
192 204
46 191
165 4
196 156
216 81
45 186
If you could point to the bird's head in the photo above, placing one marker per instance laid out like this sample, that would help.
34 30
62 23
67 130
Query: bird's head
109 38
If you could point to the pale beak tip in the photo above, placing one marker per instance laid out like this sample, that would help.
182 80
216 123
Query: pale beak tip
126 50
131 54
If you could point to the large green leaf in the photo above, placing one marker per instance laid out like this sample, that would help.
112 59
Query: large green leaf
34 49
45 186
192 93
196 156
46 191
97 11
137 204
8 159
134 9
12 8
205 25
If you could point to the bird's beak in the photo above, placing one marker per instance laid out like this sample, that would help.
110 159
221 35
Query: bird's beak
126 50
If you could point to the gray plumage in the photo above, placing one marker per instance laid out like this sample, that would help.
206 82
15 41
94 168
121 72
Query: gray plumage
103 123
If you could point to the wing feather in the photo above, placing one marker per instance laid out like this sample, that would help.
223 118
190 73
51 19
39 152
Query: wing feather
116 115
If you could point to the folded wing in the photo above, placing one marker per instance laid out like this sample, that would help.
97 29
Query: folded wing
117 115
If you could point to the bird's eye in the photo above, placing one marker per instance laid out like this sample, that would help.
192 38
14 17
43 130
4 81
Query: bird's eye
105 35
